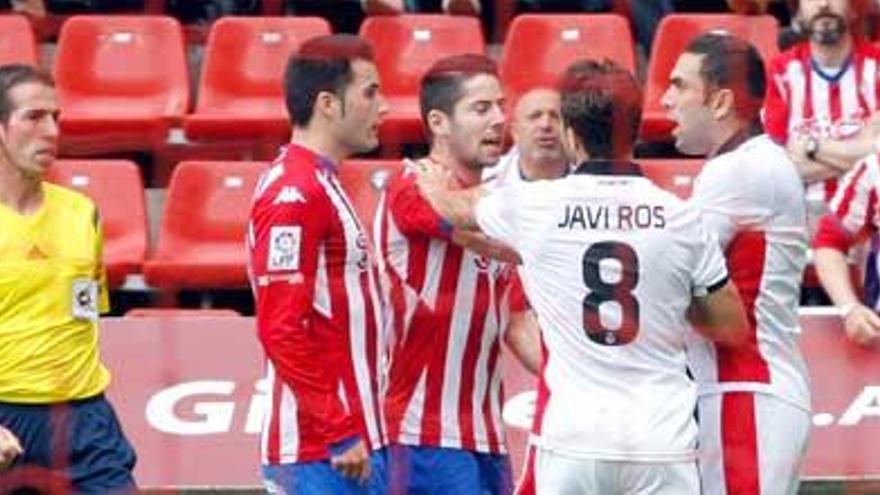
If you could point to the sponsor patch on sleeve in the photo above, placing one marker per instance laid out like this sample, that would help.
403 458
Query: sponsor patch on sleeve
284 245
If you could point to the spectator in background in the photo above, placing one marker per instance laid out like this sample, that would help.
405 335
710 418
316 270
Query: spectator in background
821 103
852 220
820 97
52 380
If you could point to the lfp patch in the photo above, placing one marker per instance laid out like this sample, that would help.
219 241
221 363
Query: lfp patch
284 245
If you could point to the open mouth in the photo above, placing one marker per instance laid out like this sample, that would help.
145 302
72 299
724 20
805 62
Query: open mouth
492 142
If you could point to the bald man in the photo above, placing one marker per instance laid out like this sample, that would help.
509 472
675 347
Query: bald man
538 154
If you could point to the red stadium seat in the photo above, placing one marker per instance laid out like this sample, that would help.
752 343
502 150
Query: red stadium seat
364 181
675 175
201 235
117 189
405 47
181 312
122 82
240 94
673 34
538 48
18 45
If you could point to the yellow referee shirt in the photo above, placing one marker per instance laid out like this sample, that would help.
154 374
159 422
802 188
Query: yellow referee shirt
52 289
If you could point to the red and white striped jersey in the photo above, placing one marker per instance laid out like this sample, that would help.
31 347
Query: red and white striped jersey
752 198
804 98
446 316
318 311
610 265
853 215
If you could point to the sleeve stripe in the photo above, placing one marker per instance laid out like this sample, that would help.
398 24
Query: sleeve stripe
832 234
843 202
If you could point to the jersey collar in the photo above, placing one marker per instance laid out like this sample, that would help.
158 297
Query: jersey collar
736 140
523 177
609 167
300 153
831 78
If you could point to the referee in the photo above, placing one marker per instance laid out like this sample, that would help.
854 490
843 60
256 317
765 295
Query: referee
52 290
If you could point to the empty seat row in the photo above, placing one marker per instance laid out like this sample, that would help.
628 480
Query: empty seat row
200 242
123 83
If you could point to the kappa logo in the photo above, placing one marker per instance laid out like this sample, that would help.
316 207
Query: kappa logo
379 179
289 194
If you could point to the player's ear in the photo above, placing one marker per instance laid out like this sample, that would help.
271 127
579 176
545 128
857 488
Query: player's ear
722 103
327 104
573 146
438 123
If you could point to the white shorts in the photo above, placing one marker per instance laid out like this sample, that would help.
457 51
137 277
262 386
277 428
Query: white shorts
549 473
750 443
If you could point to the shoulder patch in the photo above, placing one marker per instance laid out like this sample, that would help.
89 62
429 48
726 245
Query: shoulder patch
284 247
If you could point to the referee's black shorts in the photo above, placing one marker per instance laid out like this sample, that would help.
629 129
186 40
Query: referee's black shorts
79 444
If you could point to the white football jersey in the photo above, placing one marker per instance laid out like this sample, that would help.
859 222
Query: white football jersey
506 170
752 198
610 265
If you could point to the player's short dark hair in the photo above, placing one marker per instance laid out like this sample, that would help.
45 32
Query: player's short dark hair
732 63
323 63
442 85
12 75
602 104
